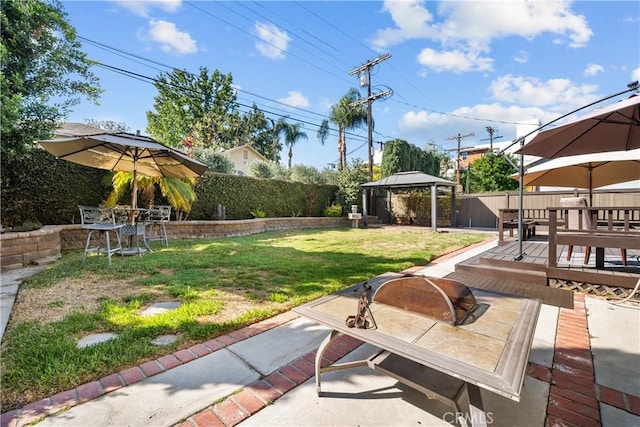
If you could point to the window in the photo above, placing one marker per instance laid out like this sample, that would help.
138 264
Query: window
464 155
246 154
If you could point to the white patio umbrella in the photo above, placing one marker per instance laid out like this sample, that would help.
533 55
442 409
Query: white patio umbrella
125 152
587 171
615 127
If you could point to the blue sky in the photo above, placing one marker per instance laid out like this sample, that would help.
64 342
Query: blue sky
455 68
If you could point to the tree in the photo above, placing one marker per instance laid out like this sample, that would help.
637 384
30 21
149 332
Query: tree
347 117
199 107
400 156
489 174
292 135
216 161
108 125
43 72
350 179
277 130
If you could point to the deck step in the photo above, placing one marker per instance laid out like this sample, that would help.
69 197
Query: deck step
512 264
548 295
532 277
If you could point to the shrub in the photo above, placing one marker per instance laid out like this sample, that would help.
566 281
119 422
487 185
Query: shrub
333 210
258 213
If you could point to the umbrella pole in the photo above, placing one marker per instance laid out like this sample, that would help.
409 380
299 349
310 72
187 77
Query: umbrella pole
520 207
590 186
134 190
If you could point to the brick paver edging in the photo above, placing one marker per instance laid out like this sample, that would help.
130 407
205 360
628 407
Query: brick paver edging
256 396
83 393
574 396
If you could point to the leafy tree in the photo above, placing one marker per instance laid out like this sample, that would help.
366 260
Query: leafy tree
255 131
349 180
347 117
292 134
216 161
108 125
261 169
43 72
489 174
199 108
307 174
400 156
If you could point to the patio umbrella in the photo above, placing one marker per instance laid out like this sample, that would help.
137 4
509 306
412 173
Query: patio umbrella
612 128
585 171
125 152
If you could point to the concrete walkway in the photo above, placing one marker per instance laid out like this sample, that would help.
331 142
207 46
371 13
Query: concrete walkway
585 370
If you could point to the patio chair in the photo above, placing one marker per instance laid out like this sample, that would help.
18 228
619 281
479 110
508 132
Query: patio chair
102 221
577 220
156 217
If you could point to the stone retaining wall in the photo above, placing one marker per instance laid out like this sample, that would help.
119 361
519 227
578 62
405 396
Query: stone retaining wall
22 249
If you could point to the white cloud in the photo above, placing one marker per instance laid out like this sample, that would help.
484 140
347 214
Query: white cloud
558 94
635 75
420 124
274 42
592 70
142 7
295 99
464 29
170 38
412 22
521 56
455 60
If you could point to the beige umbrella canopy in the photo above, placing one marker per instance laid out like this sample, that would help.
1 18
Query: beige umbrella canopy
585 171
612 128
125 152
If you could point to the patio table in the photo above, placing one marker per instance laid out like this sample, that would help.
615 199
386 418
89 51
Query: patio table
489 351
133 229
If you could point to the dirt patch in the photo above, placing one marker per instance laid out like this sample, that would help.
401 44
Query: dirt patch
53 303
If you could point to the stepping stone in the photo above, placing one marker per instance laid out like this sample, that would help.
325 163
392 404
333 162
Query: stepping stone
94 339
160 307
164 340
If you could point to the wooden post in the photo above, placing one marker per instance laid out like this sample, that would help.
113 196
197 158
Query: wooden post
553 224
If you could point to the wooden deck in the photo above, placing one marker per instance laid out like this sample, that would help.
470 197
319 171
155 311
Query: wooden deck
497 269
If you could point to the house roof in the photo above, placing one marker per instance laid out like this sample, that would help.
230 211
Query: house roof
413 179
245 147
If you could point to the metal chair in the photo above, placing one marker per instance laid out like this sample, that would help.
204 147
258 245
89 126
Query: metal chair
156 217
103 221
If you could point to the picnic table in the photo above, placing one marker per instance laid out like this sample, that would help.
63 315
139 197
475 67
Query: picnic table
489 350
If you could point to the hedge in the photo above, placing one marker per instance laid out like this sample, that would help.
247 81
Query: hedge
42 189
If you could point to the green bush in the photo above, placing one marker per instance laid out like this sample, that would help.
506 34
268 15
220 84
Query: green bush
333 210
258 213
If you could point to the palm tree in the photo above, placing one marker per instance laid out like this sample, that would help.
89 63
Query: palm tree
278 128
292 134
346 116
179 192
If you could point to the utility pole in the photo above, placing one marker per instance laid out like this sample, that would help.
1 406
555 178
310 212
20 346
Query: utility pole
491 131
364 72
458 138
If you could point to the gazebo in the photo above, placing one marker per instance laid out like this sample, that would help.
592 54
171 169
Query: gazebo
408 180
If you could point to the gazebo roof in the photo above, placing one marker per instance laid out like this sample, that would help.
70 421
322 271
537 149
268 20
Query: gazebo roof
412 179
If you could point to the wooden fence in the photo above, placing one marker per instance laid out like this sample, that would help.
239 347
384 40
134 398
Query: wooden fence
482 210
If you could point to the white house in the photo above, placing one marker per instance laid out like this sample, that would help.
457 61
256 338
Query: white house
242 157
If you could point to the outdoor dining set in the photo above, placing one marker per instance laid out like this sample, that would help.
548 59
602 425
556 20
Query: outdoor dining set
122 229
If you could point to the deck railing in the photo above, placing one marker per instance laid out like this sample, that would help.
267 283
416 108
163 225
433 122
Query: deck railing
599 227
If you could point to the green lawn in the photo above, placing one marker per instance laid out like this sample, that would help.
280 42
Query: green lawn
223 284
